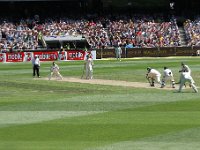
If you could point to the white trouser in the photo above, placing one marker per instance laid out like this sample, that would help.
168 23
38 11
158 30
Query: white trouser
89 72
156 78
55 74
168 78
189 79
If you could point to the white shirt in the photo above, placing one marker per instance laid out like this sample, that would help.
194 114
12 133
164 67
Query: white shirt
89 64
37 61
55 68
187 76
186 68
167 73
153 73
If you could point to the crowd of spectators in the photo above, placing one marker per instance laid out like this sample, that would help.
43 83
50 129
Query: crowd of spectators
101 32
17 36
192 30
144 32
111 31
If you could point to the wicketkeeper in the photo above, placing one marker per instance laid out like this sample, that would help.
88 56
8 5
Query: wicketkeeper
55 71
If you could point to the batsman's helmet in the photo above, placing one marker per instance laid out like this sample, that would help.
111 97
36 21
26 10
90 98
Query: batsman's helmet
148 68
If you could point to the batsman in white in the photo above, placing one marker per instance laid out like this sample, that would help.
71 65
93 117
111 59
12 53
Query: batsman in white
89 67
185 68
186 77
55 71
152 76
167 76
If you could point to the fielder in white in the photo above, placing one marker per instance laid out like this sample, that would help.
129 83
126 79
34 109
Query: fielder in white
167 76
118 52
186 77
152 76
89 67
55 71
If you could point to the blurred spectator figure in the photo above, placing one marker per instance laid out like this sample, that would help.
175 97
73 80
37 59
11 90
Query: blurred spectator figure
129 45
172 4
198 52
118 52
37 19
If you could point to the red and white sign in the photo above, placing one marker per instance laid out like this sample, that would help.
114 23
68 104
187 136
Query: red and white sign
75 55
46 56
15 57
62 55
28 56
2 57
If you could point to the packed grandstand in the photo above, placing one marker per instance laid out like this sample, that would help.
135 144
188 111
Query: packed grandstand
100 31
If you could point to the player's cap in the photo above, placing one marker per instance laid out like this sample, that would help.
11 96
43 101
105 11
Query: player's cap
165 68
182 63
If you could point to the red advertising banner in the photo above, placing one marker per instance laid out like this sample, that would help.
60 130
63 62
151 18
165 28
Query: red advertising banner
62 55
2 57
75 55
47 56
15 57
28 56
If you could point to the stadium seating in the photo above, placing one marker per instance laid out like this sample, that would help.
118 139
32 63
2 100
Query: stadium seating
100 32
192 30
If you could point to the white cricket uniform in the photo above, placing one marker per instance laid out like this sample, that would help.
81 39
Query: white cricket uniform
186 68
118 52
89 68
154 75
168 75
55 72
186 77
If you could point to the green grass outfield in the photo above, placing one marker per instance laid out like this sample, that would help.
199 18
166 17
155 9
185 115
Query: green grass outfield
52 115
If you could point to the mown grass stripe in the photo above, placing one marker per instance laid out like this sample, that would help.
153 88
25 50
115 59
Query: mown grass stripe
27 117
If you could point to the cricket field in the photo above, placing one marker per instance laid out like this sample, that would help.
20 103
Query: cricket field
38 114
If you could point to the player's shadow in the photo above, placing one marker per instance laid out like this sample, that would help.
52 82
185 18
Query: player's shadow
184 92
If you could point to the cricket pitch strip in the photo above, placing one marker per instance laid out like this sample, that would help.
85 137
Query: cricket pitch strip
110 82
